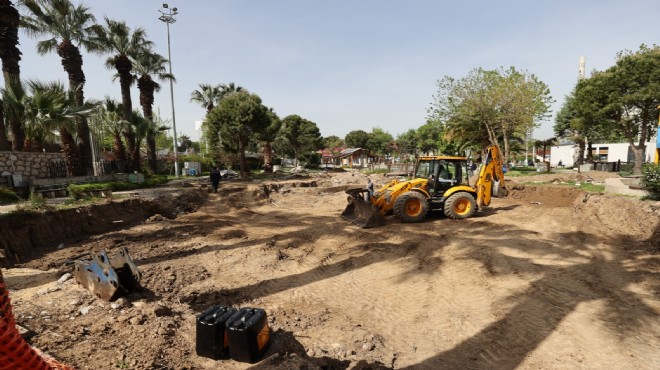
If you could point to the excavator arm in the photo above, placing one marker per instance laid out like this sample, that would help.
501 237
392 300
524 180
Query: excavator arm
490 182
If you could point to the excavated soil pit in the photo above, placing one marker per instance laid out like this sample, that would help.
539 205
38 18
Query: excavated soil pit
547 278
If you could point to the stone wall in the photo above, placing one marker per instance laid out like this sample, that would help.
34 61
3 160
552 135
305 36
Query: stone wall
30 165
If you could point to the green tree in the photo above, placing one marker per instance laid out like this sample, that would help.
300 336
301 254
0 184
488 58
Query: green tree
357 139
332 142
110 114
379 142
69 27
407 143
491 106
124 45
429 136
629 93
301 135
185 143
207 96
239 118
48 107
150 64
10 55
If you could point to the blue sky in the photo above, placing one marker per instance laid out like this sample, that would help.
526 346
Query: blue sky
359 64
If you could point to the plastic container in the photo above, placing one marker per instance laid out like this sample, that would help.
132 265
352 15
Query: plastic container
211 337
248 334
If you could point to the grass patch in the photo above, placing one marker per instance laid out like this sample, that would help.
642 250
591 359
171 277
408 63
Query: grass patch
592 188
522 171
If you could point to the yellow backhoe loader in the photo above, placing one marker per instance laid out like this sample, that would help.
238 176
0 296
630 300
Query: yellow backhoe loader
439 183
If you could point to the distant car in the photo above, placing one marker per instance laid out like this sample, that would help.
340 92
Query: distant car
228 174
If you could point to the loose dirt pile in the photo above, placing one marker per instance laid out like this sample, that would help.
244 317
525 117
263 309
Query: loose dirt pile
547 278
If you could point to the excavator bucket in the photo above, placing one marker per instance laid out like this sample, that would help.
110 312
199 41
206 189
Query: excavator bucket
360 212
107 277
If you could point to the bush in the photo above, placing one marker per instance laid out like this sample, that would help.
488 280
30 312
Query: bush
651 180
311 160
7 196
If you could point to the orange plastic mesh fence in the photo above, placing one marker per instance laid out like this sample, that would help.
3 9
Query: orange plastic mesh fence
15 353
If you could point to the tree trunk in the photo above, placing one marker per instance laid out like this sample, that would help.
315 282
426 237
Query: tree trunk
147 87
268 157
242 160
151 151
69 148
10 56
638 151
124 67
72 63
118 147
5 146
129 137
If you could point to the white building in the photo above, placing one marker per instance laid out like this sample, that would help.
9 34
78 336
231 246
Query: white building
609 152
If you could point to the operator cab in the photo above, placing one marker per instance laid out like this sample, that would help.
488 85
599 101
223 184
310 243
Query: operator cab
442 174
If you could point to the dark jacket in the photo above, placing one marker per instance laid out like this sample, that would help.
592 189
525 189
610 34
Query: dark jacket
214 176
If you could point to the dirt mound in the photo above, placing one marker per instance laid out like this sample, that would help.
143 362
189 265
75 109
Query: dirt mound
548 196
628 218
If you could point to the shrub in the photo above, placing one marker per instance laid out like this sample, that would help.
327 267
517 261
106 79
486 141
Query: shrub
651 180
7 196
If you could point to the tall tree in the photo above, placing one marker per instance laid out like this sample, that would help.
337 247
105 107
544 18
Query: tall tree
124 44
301 135
629 93
491 106
407 143
332 142
207 96
150 64
50 107
10 56
357 139
229 88
379 142
69 27
112 121
239 118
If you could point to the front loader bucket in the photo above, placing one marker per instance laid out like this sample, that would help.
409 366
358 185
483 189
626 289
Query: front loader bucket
107 277
361 212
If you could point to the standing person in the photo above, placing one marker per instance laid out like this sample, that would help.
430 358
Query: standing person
214 176
370 188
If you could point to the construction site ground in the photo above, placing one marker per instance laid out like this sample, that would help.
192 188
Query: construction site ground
547 278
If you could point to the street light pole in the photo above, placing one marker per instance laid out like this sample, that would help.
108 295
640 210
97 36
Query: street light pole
167 16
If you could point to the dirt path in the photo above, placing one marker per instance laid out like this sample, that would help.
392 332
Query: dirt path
548 278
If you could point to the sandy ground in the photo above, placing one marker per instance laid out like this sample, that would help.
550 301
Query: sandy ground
548 278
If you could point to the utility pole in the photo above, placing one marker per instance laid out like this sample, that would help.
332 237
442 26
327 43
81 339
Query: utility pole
168 17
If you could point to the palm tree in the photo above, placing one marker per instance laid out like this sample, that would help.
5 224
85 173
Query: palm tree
110 115
70 27
207 96
230 88
49 108
4 142
116 37
10 56
148 65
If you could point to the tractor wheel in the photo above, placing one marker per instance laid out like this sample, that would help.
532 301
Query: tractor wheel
460 205
411 207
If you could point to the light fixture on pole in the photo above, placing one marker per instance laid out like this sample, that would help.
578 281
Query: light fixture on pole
168 17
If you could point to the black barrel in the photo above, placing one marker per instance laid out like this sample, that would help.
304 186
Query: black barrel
248 334
211 334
